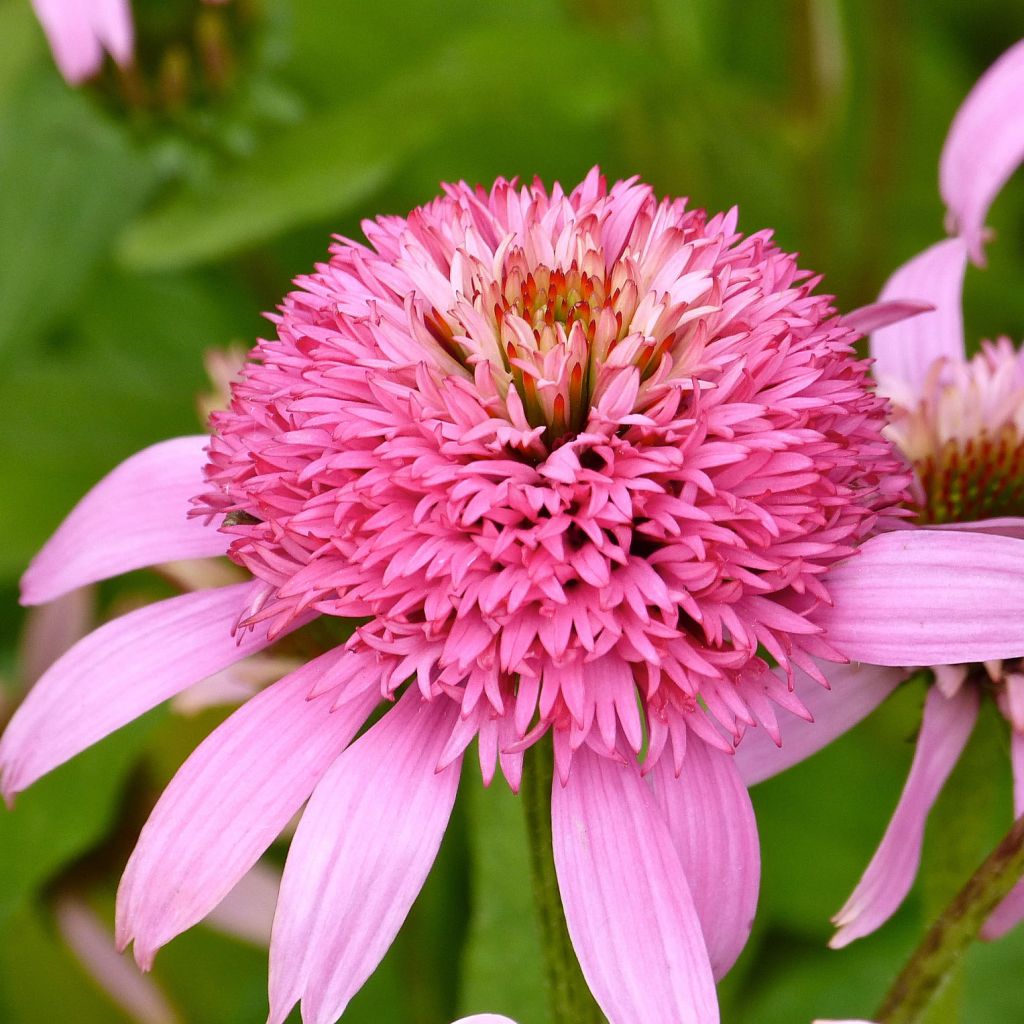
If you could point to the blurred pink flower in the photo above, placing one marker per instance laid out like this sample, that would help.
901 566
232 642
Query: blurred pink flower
960 423
574 458
80 32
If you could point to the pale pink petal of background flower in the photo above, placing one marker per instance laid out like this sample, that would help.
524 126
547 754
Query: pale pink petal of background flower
711 821
877 315
904 352
1004 526
984 147
1010 912
79 31
359 858
928 597
856 691
139 996
53 628
945 729
118 672
626 899
230 800
485 1018
136 516
247 912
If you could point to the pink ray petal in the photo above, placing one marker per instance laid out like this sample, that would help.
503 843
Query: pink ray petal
359 858
945 729
231 799
118 672
138 995
711 821
53 628
856 691
985 145
1010 912
136 516
928 597
485 1018
1005 526
628 906
904 352
247 912
877 315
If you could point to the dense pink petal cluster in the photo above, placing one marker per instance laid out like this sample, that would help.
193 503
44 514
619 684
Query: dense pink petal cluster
562 450
960 424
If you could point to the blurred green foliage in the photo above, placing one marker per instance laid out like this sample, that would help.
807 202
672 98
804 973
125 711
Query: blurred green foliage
145 221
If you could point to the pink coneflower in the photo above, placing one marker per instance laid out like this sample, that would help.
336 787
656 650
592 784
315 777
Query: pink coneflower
572 459
960 423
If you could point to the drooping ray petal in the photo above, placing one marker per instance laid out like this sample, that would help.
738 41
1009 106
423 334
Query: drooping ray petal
360 855
136 516
1005 526
945 728
1010 912
628 906
904 352
856 691
711 821
985 145
78 31
230 800
877 315
118 672
928 597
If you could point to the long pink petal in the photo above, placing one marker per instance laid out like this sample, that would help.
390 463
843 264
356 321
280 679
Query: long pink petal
711 821
247 912
1004 526
904 352
1010 912
120 671
136 516
877 315
984 147
928 597
856 691
53 628
945 729
360 856
230 800
629 910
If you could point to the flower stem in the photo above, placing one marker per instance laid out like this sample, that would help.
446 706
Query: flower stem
571 1001
935 960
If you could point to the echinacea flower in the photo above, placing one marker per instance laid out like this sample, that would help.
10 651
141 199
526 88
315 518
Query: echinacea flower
960 424
572 460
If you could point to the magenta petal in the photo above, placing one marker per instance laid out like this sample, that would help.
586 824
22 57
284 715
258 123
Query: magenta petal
856 691
928 597
120 671
711 821
985 145
629 910
945 729
137 515
1010 912
230 800
904 352
359 858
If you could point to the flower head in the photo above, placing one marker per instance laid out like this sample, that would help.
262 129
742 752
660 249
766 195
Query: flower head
572 460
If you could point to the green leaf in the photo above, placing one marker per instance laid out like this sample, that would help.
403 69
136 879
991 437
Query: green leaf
501 969
70 181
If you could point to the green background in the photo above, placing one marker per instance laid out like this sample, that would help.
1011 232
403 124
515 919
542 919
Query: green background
134 237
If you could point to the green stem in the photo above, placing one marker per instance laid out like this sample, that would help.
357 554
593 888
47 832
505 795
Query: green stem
571 1001
936 958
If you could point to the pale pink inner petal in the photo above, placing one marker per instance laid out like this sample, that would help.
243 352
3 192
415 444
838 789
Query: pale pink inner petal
984 147
118 672
945 729
136 516
928 597
904 351
856 691
711 821
232 798
1010 912
359 858
628 906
